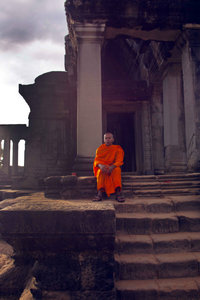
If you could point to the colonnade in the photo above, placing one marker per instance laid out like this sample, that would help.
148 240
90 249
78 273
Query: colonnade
180 111
9 133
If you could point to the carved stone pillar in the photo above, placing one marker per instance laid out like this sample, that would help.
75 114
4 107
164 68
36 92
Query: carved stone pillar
89 94
15 157
191 78
157 128
147 139
6 156
174 142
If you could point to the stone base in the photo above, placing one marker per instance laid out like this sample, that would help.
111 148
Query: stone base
83 166
70 244
175 160
70 187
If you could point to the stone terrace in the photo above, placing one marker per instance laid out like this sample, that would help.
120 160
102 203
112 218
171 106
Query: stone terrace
145 248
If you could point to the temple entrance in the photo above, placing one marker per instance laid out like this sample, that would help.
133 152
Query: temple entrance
122 126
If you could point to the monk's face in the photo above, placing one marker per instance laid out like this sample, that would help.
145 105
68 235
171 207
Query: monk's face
108 139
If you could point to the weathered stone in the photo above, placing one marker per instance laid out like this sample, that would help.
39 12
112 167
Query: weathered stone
189 221
136 266
177 265
170 243
133 243
140 289
71 242
68 181
133 225
184 288
164 224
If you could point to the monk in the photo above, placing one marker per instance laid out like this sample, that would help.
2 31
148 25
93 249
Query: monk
107 163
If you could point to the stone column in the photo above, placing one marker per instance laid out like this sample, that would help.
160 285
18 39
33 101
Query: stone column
147 139
6 156
1 151
175 156
190 46
157 128
15 157
89 94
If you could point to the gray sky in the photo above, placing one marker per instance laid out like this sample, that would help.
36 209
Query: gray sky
31 43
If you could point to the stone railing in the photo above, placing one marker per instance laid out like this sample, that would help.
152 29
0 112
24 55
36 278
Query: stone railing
14 133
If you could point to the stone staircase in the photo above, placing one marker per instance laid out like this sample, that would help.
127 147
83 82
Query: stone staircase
159 185
157 252
73 187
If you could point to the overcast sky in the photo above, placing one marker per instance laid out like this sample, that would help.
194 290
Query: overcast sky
31 43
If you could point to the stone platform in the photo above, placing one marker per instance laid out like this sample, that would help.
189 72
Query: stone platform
65 246
74 187
74 249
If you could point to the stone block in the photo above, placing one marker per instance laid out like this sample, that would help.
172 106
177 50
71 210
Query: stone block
137 225
136 267
170 244
137 289
177 265
72 242
189 222
165 225
68 181
134 244
173 289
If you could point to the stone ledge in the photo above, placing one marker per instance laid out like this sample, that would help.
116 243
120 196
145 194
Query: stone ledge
70 244
69 187
28 218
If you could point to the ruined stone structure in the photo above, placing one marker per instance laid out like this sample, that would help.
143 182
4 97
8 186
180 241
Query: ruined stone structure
149 56
9 133
132 68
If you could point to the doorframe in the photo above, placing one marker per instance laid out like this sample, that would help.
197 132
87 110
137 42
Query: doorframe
136 109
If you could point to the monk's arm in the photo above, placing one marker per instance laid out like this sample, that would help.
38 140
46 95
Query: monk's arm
111 168
119 158
104 168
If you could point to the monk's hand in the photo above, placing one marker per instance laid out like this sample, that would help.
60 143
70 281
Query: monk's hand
104 168
111 168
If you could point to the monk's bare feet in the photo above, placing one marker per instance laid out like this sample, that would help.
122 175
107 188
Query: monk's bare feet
120 198
99 196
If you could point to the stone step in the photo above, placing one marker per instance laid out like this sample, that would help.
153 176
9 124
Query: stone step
152 266
141 205
161 178
156 289
157 243
136 223
160 185
159 205
8 193
160 192
146 223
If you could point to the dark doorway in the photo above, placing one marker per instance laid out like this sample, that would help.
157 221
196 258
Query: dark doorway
122 126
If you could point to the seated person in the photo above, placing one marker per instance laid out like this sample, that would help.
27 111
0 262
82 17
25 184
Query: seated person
107 163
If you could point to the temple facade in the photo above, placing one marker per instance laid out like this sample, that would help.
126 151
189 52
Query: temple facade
132 68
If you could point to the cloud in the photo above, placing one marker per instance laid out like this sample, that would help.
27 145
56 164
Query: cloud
24 21
31 43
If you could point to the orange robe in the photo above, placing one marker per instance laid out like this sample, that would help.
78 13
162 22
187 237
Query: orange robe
108 155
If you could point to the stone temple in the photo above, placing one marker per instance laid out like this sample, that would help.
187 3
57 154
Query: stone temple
132 68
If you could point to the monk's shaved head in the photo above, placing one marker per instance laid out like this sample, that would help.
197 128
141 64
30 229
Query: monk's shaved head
109 133
108 138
